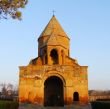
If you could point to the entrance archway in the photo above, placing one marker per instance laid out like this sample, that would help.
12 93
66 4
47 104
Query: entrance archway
53 92
76 96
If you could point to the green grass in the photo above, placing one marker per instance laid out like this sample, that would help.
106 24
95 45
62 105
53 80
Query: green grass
9 105
100 105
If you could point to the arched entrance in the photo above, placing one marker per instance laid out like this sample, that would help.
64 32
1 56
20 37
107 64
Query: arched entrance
53 92
76 96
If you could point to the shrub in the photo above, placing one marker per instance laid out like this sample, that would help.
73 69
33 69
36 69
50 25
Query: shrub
101 105
9 105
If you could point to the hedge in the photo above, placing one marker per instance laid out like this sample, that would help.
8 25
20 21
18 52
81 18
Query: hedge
100 105
9 105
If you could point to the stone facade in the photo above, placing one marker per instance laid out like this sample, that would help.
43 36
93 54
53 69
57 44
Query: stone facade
53 78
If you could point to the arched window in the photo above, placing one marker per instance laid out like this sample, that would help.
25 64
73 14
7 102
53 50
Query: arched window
76 96
62 52
54 56
62 55
45 56
45 59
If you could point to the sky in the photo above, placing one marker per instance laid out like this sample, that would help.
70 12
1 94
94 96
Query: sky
87 23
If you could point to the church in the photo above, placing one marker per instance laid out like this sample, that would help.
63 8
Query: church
53 78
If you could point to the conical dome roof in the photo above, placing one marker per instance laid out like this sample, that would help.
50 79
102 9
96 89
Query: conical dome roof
53 36
53 27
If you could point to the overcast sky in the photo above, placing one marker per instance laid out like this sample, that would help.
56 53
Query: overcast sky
87 23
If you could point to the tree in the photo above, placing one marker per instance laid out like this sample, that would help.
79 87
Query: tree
11 8
4 89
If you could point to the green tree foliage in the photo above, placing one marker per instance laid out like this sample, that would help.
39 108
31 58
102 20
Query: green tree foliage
11 8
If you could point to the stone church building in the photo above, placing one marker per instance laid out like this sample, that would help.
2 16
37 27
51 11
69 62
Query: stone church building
53 78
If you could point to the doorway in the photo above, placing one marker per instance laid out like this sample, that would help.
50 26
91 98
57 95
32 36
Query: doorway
53 92
76 96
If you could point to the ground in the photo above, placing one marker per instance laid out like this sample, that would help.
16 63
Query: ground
75 106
